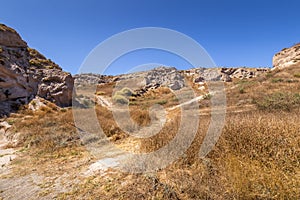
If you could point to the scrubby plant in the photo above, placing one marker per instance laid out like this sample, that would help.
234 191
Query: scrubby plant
63 110
123 96
241 90
100 93
278 101
120 99
162 102
297 75
277 80
49 67
207 96
126 92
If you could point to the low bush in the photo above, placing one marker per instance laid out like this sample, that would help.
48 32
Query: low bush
278 101
126 92
162 102
120 99
277 80
297 75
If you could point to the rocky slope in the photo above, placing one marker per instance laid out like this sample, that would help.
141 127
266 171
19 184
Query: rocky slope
25 73
287 57
174 78
171 77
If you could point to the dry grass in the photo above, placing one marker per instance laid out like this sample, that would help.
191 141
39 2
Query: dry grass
162 96
256 157
108 124
106 88
241 92
46 130
261 155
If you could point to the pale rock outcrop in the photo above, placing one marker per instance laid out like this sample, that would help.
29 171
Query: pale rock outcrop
287 57
170 77
91 79
201 75
165 76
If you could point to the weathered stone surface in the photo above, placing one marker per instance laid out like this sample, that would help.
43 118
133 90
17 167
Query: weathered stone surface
287 57
165 76
91 79
141 82
10 38
201 75
57 87
25 73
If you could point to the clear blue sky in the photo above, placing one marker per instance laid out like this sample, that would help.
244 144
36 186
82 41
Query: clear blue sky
234 32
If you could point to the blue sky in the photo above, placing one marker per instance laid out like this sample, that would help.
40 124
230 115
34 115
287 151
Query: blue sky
233 32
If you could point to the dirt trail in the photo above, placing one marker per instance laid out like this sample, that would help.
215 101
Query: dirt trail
6 154
14 187
110 160
29 186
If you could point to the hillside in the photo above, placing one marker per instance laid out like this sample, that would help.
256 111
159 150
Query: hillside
25 74
50 152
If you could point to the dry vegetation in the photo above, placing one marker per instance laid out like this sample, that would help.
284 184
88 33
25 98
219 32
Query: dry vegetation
256 157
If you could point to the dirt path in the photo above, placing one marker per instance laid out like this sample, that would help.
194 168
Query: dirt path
14 187
6 154
30 186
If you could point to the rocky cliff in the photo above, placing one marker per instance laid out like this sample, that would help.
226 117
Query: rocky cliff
25 73
287 57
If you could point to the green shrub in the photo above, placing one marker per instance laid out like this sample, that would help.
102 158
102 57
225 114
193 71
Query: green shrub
162 102
126 92
277 80
123 96
207 96
242 90
49 67
33 103
292 81
175 99
269 75
278 101
120 99
297 75
100 93
63 110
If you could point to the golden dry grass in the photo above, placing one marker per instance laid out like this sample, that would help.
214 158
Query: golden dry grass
256 157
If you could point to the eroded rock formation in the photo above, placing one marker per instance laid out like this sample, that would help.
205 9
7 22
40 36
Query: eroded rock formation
287 57
25 73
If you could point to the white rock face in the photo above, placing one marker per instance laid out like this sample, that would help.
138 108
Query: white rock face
201 75
25 73
165 76
287 57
